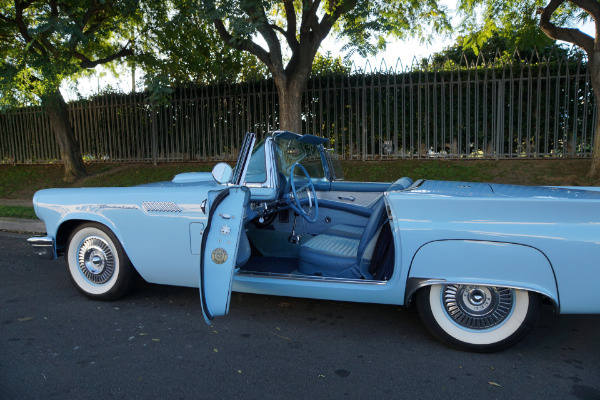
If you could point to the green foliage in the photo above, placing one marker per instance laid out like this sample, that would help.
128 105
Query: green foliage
42 43
498 50
366 27
179 47
512 25
328 65
362 27
292 32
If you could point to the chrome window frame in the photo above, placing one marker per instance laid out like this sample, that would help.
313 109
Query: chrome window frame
270 168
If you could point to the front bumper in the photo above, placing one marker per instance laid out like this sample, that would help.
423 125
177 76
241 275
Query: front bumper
43 246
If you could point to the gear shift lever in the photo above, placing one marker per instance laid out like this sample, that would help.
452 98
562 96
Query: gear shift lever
294 239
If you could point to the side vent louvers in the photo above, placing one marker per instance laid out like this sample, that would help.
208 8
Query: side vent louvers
160 206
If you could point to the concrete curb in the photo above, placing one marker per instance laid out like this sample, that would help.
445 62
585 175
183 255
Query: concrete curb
20 225
16 202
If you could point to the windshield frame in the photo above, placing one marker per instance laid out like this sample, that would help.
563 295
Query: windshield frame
239 172
270 172
272 161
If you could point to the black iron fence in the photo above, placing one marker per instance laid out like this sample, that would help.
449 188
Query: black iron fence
532 107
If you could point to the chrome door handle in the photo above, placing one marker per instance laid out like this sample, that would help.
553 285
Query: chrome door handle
350 198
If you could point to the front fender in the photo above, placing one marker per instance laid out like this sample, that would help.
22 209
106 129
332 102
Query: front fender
68 223
483 263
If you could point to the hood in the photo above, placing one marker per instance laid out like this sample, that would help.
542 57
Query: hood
475 189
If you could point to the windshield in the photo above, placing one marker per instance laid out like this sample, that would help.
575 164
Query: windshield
291 151
288 151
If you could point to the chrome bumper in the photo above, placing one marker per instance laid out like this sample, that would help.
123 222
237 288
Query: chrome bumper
43 247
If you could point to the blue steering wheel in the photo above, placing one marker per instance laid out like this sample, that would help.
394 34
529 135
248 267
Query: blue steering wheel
292 199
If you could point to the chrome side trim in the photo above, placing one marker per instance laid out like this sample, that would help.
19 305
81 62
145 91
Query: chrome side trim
310 278
43 246
414 284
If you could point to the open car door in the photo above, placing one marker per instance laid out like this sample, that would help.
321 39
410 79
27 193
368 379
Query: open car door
221 238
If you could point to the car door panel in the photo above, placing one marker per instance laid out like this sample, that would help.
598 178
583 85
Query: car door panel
219 249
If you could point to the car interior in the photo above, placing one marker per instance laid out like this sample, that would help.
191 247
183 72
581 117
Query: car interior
318 226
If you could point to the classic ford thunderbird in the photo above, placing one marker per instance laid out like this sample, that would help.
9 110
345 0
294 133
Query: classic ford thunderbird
476 259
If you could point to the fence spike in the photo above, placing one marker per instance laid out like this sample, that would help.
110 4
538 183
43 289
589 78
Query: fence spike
468 101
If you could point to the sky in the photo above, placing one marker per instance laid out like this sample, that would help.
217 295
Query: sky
404 52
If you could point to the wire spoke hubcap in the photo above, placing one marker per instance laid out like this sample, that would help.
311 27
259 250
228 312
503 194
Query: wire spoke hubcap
477 307
96 260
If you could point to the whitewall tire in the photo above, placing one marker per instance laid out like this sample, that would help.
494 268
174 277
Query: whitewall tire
97 263
477 318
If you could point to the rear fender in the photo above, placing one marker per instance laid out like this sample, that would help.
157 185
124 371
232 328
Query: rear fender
482 263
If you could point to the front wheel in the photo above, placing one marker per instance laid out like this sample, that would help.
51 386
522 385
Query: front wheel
477 318
97 263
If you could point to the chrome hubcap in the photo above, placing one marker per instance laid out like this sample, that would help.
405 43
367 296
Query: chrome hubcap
477 307
96 260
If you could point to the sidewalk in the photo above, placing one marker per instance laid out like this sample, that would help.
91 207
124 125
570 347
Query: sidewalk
20 225
16 202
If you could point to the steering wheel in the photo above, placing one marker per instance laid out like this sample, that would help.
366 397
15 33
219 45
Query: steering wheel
292 199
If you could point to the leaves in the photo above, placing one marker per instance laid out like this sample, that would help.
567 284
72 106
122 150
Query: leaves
180 45
515 21
41 46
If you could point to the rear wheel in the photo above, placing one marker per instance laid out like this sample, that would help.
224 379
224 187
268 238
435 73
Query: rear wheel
97 263
477 318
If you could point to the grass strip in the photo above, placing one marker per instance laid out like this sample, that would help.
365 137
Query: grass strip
17 212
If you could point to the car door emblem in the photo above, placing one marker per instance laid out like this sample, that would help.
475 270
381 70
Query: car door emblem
219 255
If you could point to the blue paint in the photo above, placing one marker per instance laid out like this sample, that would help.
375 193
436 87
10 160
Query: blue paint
544 239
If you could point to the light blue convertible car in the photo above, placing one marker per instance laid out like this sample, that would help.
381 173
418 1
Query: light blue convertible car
476 259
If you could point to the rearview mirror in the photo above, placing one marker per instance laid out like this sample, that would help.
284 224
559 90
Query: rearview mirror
222 173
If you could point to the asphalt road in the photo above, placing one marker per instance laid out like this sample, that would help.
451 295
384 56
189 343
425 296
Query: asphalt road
56 344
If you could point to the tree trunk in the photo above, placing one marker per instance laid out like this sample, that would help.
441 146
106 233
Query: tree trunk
65 137
290 109
594 65
595 167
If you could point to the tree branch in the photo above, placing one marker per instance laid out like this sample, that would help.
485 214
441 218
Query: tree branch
53 8
329 20
9 20
290 34
309 17
87 63
85 20
22 28
250 47
268 34
591 6
570 35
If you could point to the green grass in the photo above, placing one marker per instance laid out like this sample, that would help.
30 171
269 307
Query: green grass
22 181
17 212
382 171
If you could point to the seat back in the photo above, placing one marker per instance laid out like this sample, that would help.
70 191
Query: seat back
376 220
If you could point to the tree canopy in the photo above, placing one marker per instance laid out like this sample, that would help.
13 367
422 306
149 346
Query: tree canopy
44 42
179 47
286 35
